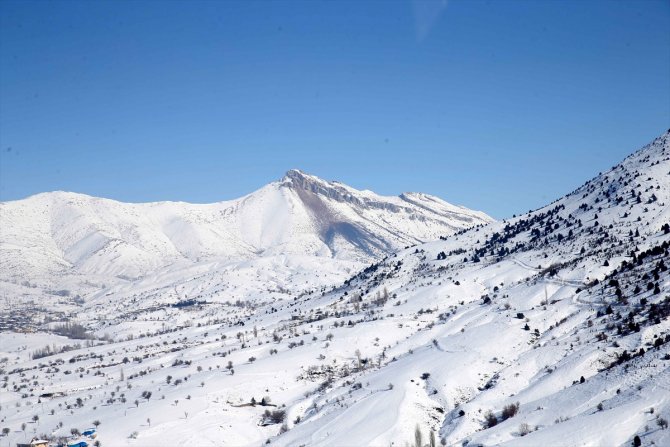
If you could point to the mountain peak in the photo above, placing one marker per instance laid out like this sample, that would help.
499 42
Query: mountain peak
301 176
301 181
295 172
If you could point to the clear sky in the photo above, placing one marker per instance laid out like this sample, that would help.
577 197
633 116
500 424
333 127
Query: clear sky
500 106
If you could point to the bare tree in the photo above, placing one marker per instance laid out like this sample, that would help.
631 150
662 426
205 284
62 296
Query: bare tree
418 437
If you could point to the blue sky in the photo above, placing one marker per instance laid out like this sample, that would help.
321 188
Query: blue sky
501 106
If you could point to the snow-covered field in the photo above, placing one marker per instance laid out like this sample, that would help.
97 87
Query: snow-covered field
549 328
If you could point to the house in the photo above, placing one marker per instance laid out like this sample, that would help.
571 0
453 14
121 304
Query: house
80 443
35 443
90 432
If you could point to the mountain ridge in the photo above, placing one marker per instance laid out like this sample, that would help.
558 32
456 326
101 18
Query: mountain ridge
298 214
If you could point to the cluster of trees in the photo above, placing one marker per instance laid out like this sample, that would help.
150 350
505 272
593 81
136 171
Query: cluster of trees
509 411
72 330
273 417
47 350
418 438
644 268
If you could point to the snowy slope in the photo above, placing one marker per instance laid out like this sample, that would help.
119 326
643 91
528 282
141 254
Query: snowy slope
300 214
564 310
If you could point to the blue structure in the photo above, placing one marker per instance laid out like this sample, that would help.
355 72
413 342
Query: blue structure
78 444
89 432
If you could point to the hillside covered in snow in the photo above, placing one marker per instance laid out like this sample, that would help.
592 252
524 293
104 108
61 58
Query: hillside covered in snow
549 328
57 247
300 214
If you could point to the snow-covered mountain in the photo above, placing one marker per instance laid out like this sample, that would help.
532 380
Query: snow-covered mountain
55 233
550 328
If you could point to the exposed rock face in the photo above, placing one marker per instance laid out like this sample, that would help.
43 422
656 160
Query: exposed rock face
334 191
